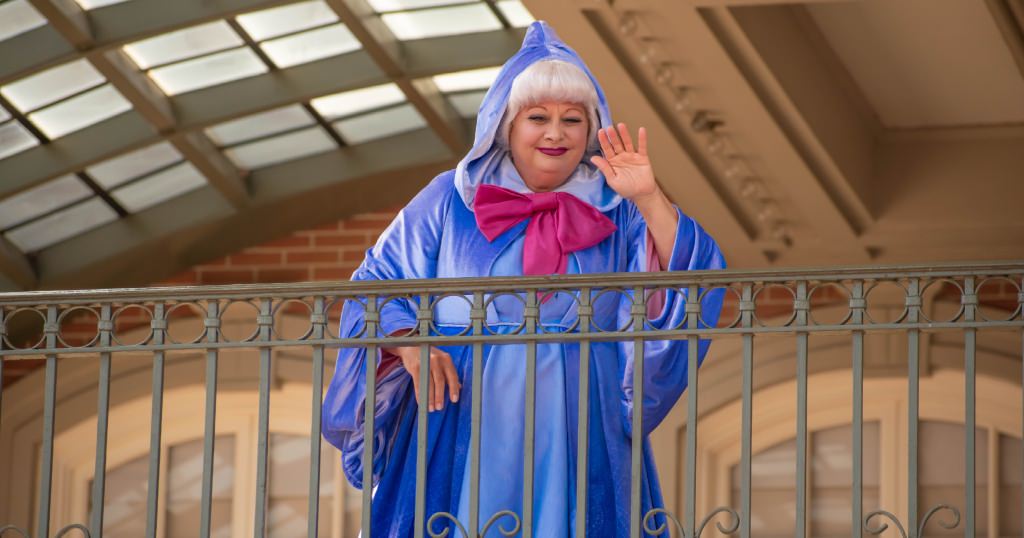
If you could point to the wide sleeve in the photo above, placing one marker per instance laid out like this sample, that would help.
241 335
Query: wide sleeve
666 361
407 249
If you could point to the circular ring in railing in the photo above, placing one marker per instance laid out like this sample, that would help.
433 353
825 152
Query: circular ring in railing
8 319
233 327
444 532
544 302
70 313
730 292
1012 290
436 301
825 294
876 287
123 320
767 309
932 295
176 320
73 527
605 295
489 302
383 303
19 530
284 308
663 528
504 531
652 294
344 302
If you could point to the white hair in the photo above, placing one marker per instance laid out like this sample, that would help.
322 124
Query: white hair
551 80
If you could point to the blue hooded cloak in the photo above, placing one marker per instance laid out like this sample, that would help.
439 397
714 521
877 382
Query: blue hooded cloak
436 236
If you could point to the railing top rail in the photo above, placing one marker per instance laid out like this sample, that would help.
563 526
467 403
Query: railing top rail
702 278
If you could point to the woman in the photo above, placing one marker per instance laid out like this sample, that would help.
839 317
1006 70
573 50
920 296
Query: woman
550 186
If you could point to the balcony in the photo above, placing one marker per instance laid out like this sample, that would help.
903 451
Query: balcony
197 411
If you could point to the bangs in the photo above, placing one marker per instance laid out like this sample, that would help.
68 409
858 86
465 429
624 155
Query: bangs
552 81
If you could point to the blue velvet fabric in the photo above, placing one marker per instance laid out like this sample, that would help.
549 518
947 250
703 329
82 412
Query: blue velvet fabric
435 236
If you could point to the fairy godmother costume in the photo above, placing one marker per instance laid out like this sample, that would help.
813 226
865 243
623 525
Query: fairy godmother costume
482 220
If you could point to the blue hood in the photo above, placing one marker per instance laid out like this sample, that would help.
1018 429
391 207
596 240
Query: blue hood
487 163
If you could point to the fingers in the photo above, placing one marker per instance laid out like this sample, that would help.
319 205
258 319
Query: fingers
642 141
602 164
606 145
451 377
627 141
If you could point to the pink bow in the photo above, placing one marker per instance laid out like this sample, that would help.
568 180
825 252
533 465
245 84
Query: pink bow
559 224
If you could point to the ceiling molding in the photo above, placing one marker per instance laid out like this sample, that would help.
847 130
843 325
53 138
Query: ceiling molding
202 108
199 226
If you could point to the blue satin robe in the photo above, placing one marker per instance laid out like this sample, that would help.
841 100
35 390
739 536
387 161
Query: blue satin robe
436 236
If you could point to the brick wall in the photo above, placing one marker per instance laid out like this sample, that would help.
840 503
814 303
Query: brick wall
328 252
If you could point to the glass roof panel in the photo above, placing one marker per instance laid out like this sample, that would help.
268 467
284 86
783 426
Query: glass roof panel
516 13
380 124
181 44
116 171
18 16
14 139
48 86
93 4
353 102
159 187
282 148
287 19
467 104
208 71
312 45
4 115
62 225
395 5
42 199
462 19
258 125
475 79
80 112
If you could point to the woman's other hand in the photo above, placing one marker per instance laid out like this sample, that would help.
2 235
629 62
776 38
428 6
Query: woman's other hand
627 170
442 374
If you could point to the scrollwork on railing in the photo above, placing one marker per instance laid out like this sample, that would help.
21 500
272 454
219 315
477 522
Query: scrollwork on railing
444 532
720 510
920 529
19 530
661 529
502 530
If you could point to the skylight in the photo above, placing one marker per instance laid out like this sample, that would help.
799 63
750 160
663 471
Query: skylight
80 111
18 17
159 187
281 148
353 102
183 44
119 170
475 79
14 139
45 87
278 21
62 225
260 125
40 200
374 125
208 71
460 19
312 45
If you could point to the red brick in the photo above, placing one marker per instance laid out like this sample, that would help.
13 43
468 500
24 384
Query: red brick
226 276
331 273
338 240
256 258
288 242
312 256
282 275
376 224
353 255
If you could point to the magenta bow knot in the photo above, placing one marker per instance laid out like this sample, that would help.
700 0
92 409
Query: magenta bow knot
559 224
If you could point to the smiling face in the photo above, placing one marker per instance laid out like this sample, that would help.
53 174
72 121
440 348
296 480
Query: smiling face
547 141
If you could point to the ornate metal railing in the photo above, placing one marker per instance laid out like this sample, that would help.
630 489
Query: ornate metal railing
849 287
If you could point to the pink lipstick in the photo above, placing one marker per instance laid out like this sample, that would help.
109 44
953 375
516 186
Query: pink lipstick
554 152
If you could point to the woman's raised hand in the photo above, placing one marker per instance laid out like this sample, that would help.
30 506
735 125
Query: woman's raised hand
627 170
442 373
